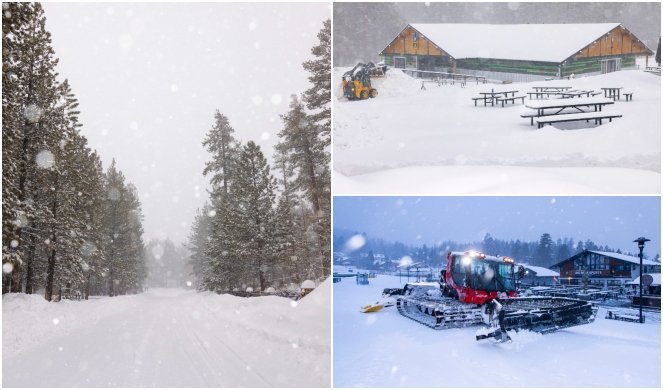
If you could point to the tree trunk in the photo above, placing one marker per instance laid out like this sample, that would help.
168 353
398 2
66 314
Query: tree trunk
30 266
49 275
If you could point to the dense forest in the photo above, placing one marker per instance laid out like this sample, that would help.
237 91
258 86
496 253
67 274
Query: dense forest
269 226
68 226
545 252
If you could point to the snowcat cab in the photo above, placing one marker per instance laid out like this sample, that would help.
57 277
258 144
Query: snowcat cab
473 277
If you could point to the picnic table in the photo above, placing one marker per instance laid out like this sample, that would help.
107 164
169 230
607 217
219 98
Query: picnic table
492 95
566 104
563 106
612 92
572 94
551 89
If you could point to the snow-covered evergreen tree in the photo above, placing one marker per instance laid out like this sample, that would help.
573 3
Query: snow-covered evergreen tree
197 243
253 220
122 235
318 97
301 142
30 93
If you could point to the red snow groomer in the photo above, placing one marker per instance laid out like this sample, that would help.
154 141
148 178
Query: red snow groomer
479 289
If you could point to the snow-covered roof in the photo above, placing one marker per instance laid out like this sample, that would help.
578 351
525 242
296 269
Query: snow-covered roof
630 259
541 271
656 282
529 42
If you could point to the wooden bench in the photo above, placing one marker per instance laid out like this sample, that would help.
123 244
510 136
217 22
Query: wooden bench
484 98
623 317
628 95
596 116
596 93
533 115
512 99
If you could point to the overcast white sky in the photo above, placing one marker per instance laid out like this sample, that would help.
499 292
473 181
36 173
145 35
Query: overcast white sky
149 77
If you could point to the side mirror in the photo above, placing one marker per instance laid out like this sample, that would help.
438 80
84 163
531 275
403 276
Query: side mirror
521 272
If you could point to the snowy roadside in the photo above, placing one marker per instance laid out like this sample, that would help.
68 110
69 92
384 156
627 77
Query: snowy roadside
30 320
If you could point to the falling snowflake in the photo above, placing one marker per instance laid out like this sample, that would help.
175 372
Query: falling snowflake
7 268
56 321
32 113
355 242
257 100
252 26
13 244
276 99
126 41
113 194
405 261
45 159
157 251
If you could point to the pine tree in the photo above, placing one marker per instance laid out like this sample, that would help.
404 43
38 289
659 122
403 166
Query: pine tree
197 243
544 251
217 274
318 97
122 235
30 92
299 139
221 144
253 224
292 250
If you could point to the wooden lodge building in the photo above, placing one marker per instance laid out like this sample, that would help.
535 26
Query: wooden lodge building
515 52
603 268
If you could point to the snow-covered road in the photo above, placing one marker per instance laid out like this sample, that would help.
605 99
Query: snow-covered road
170 338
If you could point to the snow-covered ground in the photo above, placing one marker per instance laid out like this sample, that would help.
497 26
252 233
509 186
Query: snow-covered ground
167 338
409 140
385 349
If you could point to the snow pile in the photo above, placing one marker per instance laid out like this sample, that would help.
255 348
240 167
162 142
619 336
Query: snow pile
385 349
394 83
29 320
384 144
168 338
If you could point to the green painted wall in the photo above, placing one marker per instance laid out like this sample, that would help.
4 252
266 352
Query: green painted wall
437 63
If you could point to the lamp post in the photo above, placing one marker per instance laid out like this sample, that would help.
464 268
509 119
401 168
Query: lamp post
641 245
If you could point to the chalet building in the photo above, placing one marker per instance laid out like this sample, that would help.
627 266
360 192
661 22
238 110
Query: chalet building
603 268
539 276
653 289
515 52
